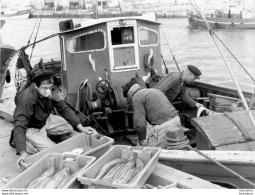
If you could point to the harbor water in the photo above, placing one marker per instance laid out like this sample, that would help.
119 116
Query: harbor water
189 46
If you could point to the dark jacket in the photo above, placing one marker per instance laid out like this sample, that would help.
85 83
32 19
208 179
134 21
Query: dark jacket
150 105
32 111
172 86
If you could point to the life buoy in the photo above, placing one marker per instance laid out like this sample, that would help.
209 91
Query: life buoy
232 24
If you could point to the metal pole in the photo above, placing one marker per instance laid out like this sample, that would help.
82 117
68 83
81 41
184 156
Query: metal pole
229 69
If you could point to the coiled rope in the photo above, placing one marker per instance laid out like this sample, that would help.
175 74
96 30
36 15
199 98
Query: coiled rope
176 144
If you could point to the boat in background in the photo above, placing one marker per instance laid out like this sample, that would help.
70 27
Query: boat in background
231 17
16 13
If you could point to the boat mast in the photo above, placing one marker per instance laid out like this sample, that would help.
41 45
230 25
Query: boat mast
229 68
95 9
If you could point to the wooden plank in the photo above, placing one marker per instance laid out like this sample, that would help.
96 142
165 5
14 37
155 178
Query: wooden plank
222 90
242 162
245 146
228 157
184 180
6 112
220 130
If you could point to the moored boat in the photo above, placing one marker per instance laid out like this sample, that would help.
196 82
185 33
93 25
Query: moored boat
196 22
7 53
15 14
98 58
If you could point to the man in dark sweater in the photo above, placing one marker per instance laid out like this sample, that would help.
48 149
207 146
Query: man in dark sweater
173 85
33 118
153 115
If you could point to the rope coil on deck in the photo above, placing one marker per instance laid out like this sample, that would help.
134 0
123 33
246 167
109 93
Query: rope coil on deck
175 144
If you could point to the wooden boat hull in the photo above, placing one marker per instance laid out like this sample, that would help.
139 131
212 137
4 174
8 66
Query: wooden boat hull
220 23
7 52
242 162
232 131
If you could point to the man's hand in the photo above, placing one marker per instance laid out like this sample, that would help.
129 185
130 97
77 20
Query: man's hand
20 162
198 105
87 130
142 142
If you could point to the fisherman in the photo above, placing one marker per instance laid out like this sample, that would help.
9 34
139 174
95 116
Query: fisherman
33 119
153 115
173 85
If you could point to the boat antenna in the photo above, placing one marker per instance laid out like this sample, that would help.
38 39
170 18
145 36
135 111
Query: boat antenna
120 8
166 69
37 30
225 61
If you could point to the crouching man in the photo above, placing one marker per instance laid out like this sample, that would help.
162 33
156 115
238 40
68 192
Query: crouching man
33 120
153 115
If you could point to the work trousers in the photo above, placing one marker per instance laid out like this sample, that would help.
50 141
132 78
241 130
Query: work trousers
38 140
156 134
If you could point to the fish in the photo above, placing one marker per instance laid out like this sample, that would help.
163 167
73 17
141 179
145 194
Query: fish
46 174
57 178
105 168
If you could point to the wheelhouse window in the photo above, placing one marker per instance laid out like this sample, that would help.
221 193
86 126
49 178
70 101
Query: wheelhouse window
148 37
87 42
123 48
122 35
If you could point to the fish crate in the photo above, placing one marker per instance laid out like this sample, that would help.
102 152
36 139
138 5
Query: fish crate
159 182
149 155
92 145
220 103
76 163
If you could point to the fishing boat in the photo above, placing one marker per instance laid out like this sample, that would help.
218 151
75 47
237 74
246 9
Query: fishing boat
230 17
7 53
16 13
98 57
196 22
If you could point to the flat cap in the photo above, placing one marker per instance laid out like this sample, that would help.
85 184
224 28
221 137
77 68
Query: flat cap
127 86
194 70
42 76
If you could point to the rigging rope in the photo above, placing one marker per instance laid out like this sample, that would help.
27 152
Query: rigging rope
170 50
120 8
225 61
32 31
37 30
166 69
51 36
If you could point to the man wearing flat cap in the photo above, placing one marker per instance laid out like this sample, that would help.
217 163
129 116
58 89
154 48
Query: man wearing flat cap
34 121
153 115
173 85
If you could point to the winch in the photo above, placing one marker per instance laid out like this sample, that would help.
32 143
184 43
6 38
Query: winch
109 108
